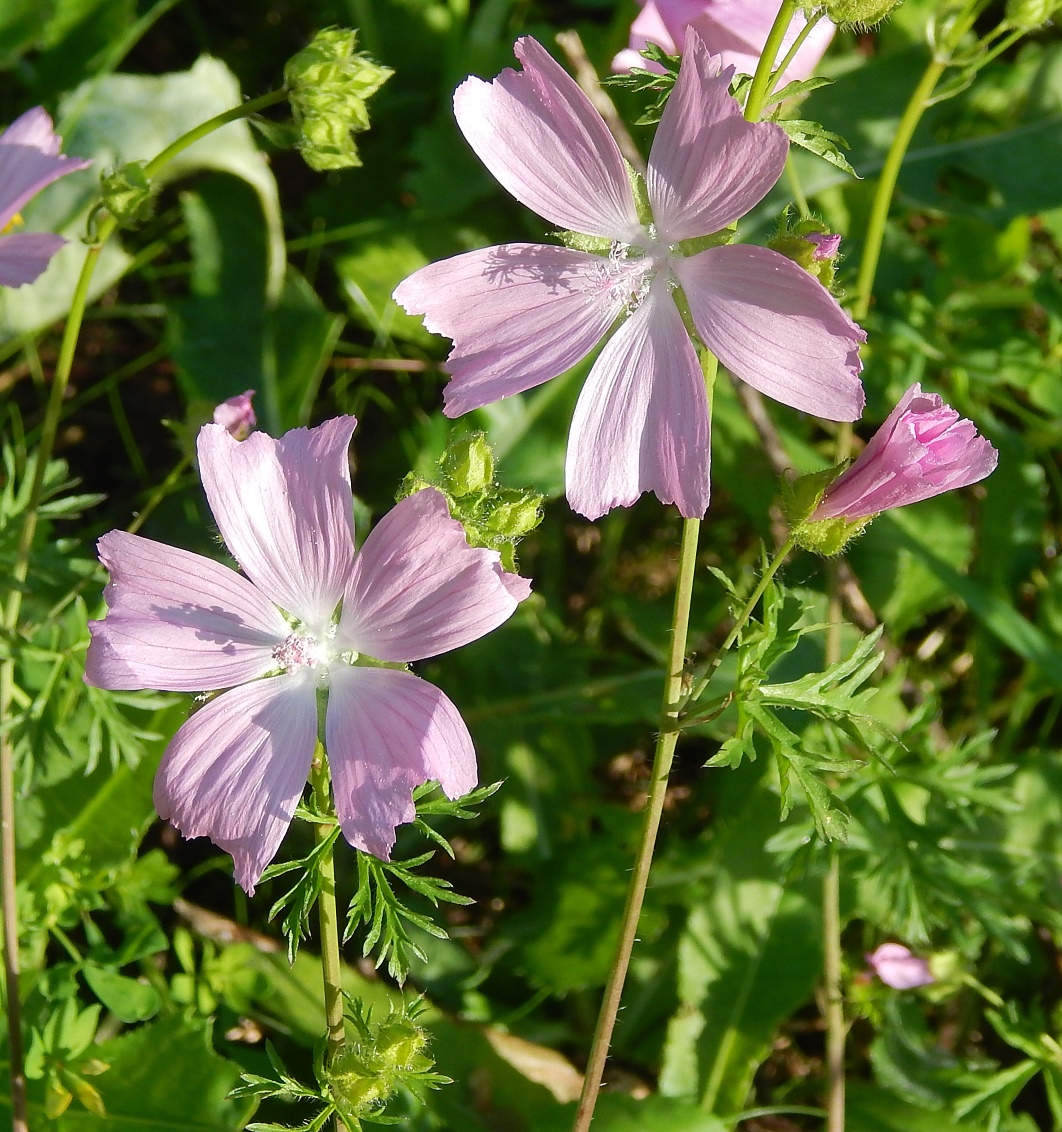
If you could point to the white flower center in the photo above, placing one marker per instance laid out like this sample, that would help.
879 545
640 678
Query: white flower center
300 652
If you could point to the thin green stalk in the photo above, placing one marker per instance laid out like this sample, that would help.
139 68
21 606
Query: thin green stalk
328 913
761 81
796 45
796 188
834 994
662 760
12 607
699 685
244 110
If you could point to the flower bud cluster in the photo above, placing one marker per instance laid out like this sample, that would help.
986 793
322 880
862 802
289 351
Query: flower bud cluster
493 516
379 1060
859 13
328 85
127 195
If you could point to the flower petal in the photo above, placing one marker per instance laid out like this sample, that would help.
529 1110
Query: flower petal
519 314
771 324
641 423
177 621
418 589
25 170
543 140
386 732
235 771
25 255
708 165
34 128
284 509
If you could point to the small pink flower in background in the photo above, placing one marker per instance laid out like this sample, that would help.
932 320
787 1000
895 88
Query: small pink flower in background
521 314
735 30
29 160
898 968
236 415
923 448
177 621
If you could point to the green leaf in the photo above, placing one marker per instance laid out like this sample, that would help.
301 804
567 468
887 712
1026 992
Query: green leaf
749 955
816 139
130 1000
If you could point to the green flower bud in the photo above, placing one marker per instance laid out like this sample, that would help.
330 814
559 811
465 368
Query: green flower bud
400 1045
860 13
127 195
328 84
800 497
468 465
515 514
1028 15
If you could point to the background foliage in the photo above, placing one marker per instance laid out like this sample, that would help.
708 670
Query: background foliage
150 982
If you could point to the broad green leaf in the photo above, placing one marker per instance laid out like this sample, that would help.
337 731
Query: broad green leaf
749 955
130 1000
112 128
873 1109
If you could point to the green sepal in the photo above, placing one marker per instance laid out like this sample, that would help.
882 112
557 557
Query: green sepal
127 195
580 242
703 243
800 497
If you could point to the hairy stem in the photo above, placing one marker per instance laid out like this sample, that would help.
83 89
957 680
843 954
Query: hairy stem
662 760
833 993
761 81
327 912
12 607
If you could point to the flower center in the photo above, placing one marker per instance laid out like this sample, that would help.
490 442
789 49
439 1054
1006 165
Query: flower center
299 652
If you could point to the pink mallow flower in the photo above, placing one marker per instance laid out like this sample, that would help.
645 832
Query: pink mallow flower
923 448
520 314
29 160
735 30
898 968
309 615
236 415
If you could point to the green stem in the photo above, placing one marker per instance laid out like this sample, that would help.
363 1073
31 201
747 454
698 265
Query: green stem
12 607
835 1023
796 45
747 610
159 494
796 188
761 81
244 110
662 760
328 913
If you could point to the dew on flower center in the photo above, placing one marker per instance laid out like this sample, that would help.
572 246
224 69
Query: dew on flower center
299 652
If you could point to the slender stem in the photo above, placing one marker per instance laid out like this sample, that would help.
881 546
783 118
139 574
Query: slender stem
835 1023
328 913
796 45
747 610
159 494
12 608
244 110
665 753
761 81
796 187
11 613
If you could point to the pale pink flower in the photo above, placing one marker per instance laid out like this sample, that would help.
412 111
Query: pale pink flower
923 448
236 415
826 244
735 30
898 968
29 160
521 314
309 615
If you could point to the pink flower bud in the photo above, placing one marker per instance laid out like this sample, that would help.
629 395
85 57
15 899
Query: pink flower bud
826 245
236 415
898 968
923 449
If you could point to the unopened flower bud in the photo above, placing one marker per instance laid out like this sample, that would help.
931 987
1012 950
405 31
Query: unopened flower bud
468 465
1028 15
126 194
516 514
328 84
237 415
812 246
898 968
859 13
400 1045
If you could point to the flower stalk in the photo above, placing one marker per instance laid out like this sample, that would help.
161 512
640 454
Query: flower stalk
12 607
662 760
327 912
